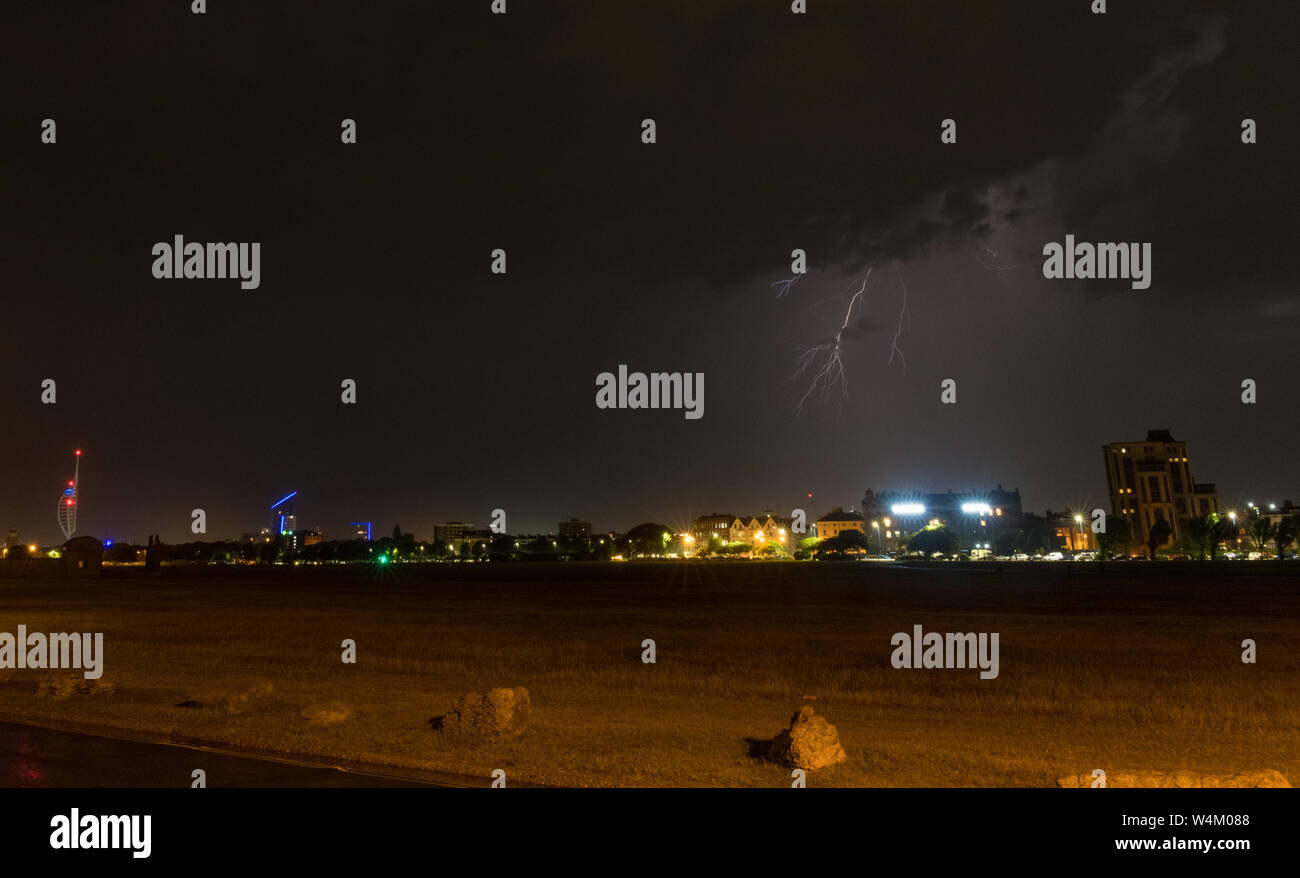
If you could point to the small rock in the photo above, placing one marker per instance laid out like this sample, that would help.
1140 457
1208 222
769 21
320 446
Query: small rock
96 687
326 714
499 715
810 743
57 688
233 704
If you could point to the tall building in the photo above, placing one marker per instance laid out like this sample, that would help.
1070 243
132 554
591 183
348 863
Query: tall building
283 517
1152 479
575 528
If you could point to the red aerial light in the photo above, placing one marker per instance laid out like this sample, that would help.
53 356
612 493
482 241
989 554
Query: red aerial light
69 484
69 502
78 452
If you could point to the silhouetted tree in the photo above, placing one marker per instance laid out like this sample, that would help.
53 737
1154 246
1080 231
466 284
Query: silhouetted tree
1158 535
1287 530
649 538
931 540
1261 532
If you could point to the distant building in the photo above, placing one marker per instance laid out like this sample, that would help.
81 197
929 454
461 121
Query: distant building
452 532
297 539
764 528
837 521
715 524
575 528
975 516
464 544
1073 531
1152 479
12 539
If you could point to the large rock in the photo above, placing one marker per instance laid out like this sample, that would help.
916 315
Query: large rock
1183 780
810 743
499 715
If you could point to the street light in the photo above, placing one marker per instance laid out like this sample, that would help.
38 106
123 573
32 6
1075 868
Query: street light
1079 520
880 549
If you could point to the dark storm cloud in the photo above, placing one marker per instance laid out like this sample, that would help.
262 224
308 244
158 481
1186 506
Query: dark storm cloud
775 131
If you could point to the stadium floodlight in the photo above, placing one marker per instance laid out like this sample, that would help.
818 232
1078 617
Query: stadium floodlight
973 508
908 509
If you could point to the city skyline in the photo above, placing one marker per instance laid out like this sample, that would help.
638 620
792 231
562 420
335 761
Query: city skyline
810 504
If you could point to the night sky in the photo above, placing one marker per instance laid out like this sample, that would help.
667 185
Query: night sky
775 131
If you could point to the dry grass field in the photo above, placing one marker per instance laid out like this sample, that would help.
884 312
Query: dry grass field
1130 666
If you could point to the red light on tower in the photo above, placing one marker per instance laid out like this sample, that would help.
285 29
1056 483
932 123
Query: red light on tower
78 452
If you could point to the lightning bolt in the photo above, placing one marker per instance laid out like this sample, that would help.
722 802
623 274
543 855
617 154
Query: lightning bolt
831 372
783 286
991 263
894 349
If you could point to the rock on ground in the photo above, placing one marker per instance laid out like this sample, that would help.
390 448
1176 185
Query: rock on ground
1178 780
499 715
326 714
239 703
63 687
810 743
57 687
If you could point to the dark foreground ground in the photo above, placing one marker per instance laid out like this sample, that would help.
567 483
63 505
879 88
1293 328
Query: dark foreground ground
32 756
1124 667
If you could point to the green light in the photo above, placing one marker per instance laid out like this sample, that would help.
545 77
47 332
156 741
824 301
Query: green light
383 559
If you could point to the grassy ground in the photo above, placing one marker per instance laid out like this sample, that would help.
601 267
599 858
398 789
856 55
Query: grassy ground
1131 667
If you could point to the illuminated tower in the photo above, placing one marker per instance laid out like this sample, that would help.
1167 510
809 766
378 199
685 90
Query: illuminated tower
283 514
68 503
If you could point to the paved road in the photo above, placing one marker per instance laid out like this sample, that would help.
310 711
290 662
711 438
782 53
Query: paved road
37 757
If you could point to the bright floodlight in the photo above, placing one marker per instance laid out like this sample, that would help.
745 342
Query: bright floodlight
908 508
981 508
